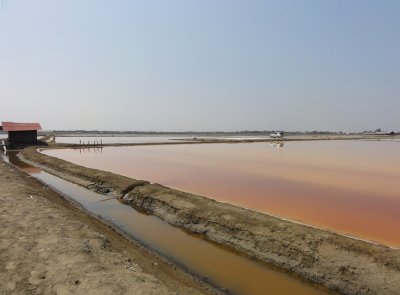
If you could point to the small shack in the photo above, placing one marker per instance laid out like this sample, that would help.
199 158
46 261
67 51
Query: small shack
21 133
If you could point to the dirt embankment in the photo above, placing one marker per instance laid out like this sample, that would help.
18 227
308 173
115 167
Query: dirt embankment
96 180
49 246
342 264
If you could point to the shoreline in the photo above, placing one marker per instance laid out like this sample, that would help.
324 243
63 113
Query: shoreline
331 260
316 227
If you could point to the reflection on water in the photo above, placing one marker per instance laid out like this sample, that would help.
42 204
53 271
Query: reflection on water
90 150
116 139
13 159
221 266
348 186
277 144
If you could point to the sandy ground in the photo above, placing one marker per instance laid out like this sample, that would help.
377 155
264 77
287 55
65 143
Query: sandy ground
339 263
48 246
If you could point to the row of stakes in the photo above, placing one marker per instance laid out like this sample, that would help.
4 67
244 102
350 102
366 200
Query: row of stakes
95 142
97 146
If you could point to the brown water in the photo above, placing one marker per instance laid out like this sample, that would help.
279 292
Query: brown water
351 187
216 264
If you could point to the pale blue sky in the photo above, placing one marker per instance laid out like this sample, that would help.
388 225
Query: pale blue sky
201 65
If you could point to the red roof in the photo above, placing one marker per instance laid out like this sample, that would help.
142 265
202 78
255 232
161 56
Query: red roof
11 126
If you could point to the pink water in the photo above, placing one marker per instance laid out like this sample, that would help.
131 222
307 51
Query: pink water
352 187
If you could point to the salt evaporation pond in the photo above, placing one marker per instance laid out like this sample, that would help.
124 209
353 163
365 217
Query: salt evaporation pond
351 187
117 139
216 264
146 139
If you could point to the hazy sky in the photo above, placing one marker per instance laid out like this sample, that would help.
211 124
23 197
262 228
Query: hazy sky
201 65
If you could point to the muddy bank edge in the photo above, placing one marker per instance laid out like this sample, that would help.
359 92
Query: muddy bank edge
342 264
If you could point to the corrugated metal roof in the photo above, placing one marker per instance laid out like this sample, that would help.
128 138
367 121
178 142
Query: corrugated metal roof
11 126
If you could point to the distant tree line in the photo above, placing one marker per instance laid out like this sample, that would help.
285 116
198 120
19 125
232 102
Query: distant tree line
204 133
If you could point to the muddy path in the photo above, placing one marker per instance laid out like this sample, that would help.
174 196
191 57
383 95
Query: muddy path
339 263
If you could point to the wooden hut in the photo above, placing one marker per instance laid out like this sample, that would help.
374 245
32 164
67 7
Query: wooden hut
21 133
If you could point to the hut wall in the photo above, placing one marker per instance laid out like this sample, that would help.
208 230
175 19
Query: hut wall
22 136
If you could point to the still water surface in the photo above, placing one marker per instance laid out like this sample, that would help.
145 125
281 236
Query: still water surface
146 139
351 187
116 139
219 265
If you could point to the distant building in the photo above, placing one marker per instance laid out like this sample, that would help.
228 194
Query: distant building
21 133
